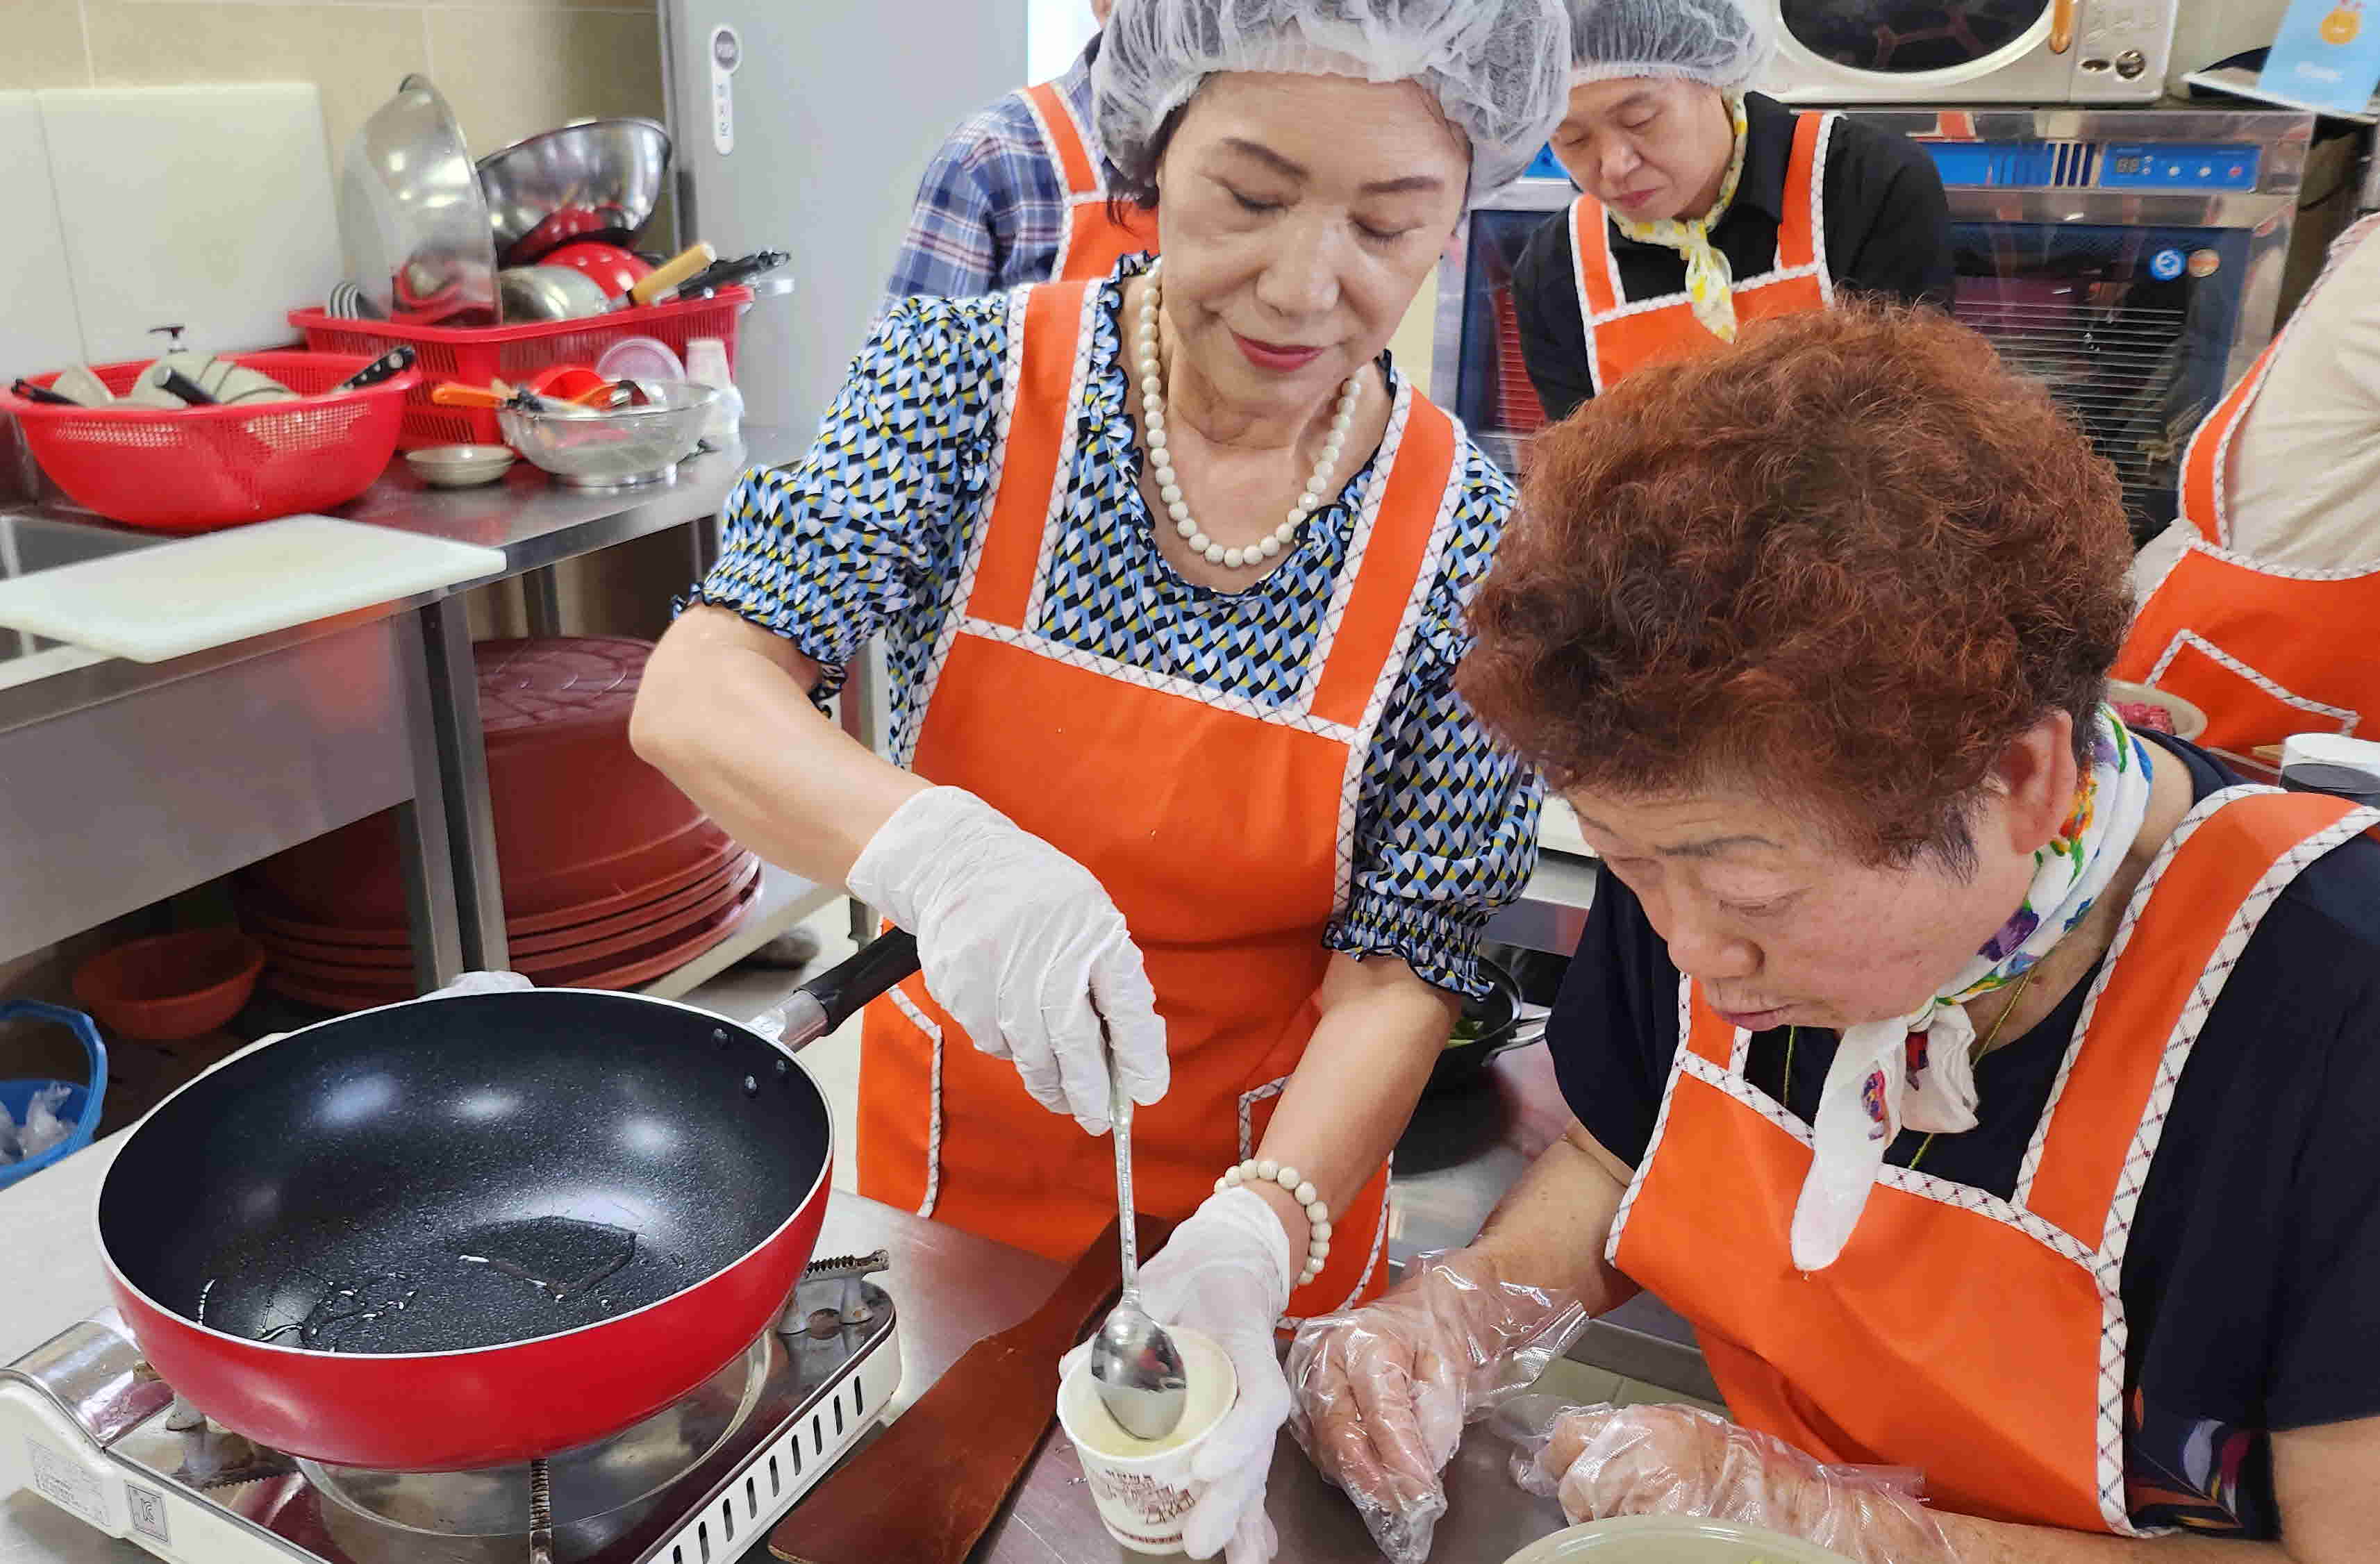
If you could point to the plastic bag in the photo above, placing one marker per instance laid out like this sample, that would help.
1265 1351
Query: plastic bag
1606 1461
1383 1393
43 1130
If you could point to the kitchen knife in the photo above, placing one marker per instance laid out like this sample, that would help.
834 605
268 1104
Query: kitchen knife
974 1432
387 367
671 272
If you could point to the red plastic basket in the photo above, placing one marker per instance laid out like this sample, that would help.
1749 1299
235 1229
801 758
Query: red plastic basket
193 470
477 355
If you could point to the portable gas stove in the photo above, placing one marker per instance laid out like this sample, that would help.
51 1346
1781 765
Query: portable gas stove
88 1426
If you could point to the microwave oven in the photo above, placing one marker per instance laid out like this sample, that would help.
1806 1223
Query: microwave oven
2032 51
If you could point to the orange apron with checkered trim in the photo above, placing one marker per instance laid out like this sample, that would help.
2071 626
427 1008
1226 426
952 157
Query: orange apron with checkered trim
1223 828
1094 241
2265 650
1624 336
1980 1341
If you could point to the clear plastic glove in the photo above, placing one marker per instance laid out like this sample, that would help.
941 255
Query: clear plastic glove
43 1128
1383 1393
1225 1273
1024 949
1603 1461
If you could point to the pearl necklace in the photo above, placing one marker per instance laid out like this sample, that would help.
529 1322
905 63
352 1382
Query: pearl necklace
1319 489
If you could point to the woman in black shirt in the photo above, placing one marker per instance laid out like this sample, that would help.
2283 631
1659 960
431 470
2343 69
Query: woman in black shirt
1707 206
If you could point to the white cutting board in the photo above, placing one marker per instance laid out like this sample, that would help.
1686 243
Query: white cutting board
37 324
175 597
207 207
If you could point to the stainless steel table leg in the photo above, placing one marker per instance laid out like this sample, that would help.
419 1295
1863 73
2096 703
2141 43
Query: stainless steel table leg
423 845
541 597
463 770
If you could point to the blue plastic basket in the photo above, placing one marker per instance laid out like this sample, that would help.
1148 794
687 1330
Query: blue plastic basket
81 1103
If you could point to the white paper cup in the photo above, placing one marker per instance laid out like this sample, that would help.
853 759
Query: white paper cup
1143 1501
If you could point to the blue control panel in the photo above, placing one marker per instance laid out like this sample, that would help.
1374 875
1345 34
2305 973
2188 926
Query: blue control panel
2069 166
2152 165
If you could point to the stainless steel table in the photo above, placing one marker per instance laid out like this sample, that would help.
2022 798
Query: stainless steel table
537 524
128 783
952 1289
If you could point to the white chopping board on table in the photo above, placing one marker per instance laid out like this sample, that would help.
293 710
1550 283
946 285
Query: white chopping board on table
186 595
39 329
205 207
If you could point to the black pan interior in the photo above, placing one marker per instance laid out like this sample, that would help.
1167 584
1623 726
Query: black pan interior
463 1172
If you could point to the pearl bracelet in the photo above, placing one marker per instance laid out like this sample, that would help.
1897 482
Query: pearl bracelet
1266 1170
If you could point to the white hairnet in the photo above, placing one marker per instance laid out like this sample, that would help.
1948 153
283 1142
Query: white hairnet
1720 43
1498 67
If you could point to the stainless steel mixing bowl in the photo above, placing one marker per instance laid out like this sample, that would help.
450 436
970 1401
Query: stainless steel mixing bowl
411 216
590 179
627 448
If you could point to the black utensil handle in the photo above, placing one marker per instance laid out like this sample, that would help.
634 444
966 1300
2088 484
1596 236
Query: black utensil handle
828 1000
186 388
42 394
388 366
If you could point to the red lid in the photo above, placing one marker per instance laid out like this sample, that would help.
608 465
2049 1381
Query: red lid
566 682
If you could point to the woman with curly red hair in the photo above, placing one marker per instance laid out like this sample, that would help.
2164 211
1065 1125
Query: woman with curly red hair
1993 1088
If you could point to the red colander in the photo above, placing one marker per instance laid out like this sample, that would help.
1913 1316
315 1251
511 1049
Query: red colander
194 470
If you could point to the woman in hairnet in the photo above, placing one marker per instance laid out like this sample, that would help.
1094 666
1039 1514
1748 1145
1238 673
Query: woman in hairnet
1171 568
1707 206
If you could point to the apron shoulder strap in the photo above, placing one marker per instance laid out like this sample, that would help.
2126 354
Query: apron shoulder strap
2195 910
1590 256
1039 397
1069 148
1800 239
1395 565
2204 465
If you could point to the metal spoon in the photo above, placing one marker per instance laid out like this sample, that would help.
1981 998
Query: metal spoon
1134 1363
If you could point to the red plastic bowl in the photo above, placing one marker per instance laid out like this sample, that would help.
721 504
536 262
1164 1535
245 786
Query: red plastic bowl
173 986
616 269
193 470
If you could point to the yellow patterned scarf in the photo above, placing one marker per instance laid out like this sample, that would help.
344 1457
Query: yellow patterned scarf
1710 282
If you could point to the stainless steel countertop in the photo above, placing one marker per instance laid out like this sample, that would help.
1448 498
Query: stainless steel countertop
533 521
537 522
952 1289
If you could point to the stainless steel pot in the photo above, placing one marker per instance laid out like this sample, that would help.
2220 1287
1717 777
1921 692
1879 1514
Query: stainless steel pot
549 292
589 179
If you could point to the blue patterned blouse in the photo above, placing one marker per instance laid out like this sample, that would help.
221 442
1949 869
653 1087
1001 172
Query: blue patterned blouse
868 532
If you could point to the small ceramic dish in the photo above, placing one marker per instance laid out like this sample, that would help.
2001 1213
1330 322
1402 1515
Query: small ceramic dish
460 466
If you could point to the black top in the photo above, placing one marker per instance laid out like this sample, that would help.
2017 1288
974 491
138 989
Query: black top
2252 1281
1887 232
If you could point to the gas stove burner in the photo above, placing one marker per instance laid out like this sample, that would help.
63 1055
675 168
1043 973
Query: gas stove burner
586 1483
701 1480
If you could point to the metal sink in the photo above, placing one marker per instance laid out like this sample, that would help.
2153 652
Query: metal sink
33 544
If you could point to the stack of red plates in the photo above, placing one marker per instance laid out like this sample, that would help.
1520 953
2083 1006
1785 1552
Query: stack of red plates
611 875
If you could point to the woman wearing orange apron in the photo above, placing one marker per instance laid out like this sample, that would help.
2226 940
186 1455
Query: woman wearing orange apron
2258 608
1171 569
1984 1082
1705 206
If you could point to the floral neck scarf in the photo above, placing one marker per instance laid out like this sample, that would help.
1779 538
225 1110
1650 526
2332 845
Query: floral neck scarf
1919 1071
1710 281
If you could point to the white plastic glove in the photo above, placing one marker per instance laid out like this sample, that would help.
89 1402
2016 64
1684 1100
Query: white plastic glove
1225 1274
1605 1461
1024 949
1383 1392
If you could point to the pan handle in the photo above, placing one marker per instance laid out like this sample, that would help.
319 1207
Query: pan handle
826 1001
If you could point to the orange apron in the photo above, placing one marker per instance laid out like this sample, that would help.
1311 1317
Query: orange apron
1222 827
1981 1340
1624 335
2265 650
1093 241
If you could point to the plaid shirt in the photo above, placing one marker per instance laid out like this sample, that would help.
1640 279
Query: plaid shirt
992 207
